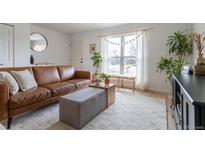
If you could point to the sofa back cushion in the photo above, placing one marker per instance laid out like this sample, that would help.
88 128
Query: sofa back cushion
10 81
25 79
66 72
9 69
46 74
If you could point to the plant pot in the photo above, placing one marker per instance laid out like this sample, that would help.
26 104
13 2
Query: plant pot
107 81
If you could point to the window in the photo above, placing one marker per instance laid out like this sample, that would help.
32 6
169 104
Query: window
121 55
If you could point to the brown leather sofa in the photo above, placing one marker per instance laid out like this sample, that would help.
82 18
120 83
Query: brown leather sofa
53 82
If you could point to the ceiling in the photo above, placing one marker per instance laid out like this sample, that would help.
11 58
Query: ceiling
71 28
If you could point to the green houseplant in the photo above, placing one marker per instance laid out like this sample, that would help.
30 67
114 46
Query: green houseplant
105 77
97 60
180 47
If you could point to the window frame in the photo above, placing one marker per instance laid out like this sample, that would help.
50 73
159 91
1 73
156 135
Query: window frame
122 56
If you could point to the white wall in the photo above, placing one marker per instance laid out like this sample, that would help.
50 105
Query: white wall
198 27
58 51
21 44
157 38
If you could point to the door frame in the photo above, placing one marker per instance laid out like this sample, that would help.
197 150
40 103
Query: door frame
13 52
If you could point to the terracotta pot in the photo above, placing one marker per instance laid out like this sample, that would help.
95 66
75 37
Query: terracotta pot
107 81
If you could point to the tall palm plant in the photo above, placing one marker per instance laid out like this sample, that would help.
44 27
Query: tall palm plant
97 60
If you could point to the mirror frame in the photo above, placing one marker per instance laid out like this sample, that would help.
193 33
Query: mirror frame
43 37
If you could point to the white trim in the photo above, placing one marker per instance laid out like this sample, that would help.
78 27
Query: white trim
125 33
121 57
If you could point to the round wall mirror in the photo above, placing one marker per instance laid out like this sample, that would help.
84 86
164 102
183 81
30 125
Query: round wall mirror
38 42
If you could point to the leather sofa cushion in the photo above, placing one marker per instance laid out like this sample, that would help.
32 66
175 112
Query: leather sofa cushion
79 82
66 72
31 96
46 75
60 88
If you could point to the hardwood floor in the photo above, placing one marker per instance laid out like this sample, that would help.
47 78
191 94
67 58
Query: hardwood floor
170 120
146 93
155 94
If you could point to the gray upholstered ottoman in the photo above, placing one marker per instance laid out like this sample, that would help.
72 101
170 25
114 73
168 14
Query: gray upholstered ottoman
78 108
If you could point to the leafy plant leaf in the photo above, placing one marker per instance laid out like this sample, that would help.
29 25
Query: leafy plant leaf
97 60
180 45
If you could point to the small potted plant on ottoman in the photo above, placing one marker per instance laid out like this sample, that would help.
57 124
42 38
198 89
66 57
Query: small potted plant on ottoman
105 77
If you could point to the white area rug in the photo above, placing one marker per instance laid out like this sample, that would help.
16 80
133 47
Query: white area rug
130 112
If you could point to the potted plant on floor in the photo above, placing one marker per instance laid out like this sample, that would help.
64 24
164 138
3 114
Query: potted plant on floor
105 77
97 60
180 47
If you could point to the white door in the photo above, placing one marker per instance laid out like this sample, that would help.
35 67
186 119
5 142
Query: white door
77 54
6 46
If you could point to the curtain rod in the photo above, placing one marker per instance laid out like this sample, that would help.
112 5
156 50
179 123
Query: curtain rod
137 30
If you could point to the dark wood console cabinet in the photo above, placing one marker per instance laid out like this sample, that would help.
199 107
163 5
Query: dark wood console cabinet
188 101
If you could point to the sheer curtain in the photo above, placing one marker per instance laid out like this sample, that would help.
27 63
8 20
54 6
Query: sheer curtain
141 59
104 54
141 78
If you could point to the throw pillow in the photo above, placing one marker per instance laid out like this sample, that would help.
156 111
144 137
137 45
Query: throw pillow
25 79
9 79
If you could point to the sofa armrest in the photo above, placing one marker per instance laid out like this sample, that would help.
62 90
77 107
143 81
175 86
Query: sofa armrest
83 75
4 98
